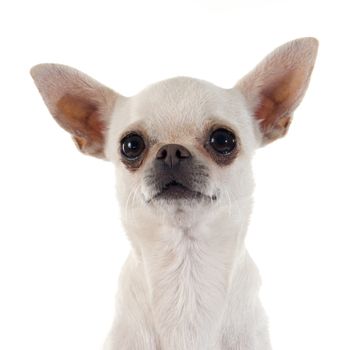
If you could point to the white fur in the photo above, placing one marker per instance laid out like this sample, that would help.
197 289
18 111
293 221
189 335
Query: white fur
189 283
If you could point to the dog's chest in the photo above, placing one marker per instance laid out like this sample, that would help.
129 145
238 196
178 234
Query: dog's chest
188 282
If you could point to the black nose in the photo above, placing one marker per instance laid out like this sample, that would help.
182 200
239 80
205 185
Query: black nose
172 154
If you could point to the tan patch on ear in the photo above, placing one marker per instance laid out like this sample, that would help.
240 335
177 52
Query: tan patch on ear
274 111
79 142
275 88
80 117
273 124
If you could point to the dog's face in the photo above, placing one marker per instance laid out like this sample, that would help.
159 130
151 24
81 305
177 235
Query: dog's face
182 147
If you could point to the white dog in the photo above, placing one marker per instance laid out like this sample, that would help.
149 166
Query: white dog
182 149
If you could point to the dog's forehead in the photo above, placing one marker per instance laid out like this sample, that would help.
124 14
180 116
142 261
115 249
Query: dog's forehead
178 106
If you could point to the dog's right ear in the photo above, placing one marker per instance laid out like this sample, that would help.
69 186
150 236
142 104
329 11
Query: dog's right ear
80 104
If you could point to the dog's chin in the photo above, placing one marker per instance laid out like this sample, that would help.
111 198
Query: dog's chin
179 205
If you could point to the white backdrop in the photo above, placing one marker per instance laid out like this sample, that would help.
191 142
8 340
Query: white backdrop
61 244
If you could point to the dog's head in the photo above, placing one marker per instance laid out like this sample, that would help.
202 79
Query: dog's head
182 147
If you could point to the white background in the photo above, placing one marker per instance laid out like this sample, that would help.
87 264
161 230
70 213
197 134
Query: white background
61 244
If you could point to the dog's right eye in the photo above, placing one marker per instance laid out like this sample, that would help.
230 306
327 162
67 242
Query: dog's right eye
132 146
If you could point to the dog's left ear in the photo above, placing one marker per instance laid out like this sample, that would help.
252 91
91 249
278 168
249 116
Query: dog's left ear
275 88
80 104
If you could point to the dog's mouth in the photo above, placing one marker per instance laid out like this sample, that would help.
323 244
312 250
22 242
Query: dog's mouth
175 190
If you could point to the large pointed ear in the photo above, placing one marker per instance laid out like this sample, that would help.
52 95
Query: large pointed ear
277 85
80 104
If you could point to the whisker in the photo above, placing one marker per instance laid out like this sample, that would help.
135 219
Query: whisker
133 198
126 207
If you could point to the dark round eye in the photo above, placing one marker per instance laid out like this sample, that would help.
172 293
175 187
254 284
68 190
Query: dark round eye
132 146
223 141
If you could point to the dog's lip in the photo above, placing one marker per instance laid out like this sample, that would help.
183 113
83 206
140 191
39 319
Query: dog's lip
177 190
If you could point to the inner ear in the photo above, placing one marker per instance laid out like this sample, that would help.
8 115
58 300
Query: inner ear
81 118
80 104
275 88
277 102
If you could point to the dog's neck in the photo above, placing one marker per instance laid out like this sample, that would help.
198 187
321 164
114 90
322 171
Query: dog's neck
189 272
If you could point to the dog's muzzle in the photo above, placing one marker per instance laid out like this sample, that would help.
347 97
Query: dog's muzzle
176 175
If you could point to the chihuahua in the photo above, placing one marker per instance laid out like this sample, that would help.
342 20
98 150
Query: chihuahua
182 149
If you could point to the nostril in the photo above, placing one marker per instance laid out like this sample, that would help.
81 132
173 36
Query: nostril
172 154
182 153
162 154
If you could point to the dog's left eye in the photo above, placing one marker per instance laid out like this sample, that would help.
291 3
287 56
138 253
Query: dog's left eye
132 146
223 141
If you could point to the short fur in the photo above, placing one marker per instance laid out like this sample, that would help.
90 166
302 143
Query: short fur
189 282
